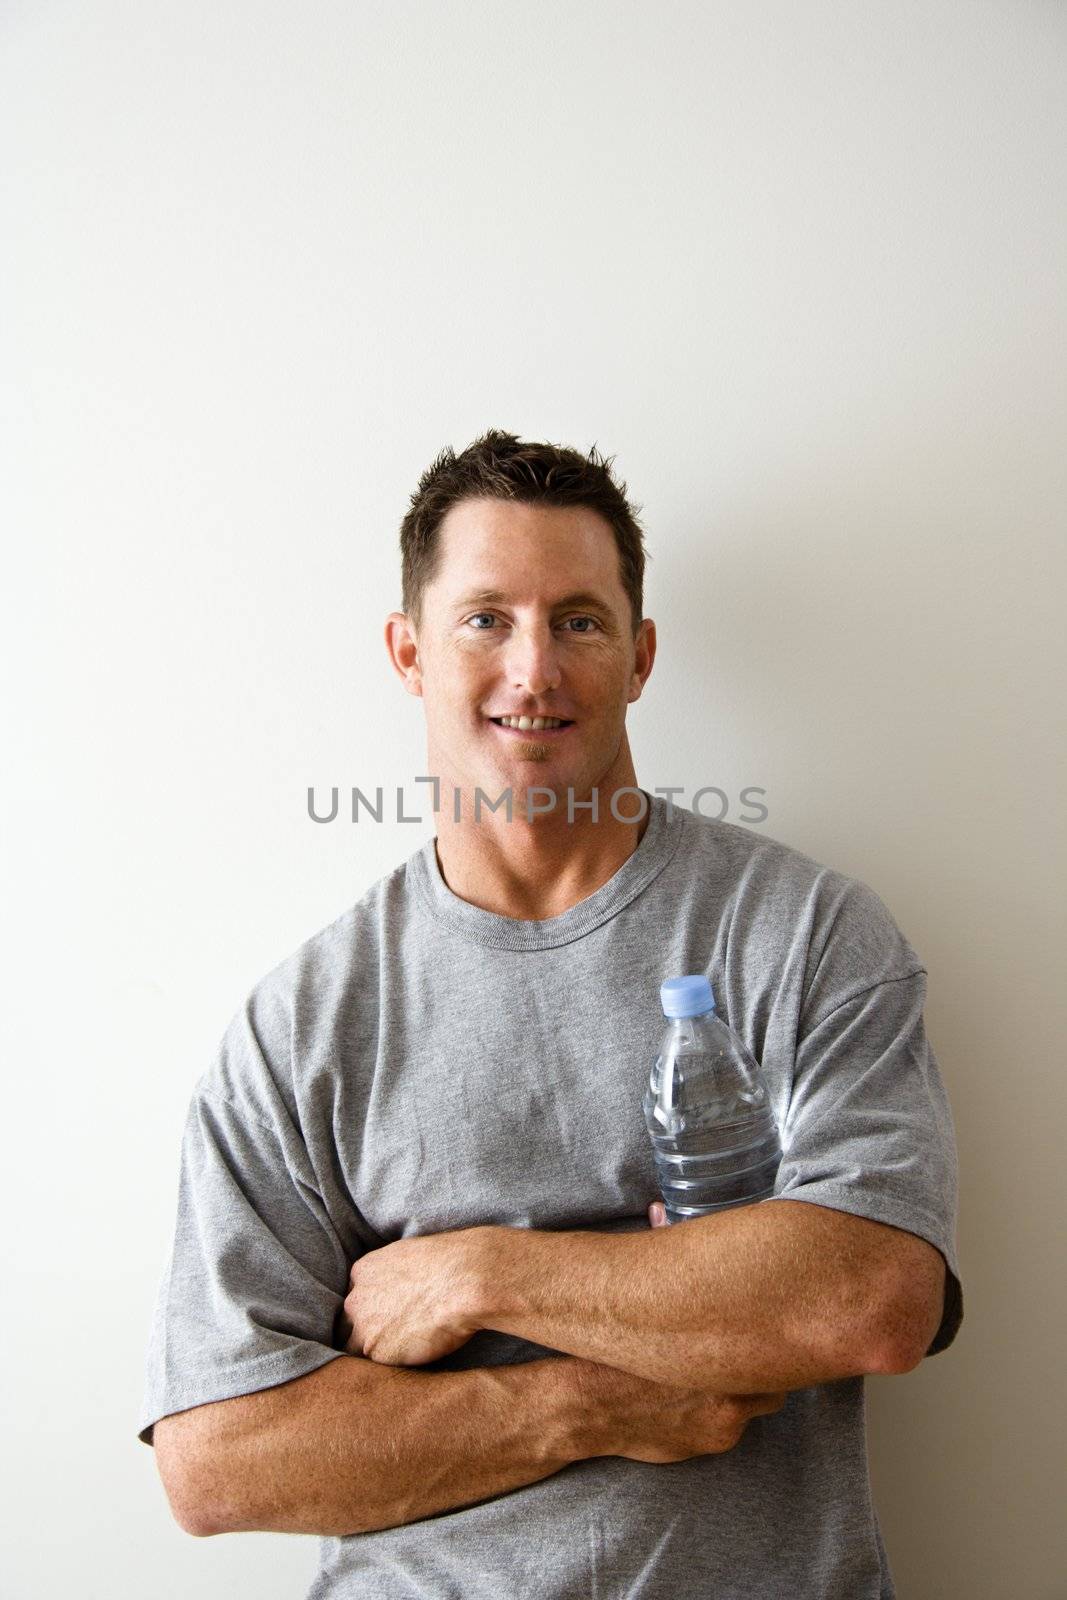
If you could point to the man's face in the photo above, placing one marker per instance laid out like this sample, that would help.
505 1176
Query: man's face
526 615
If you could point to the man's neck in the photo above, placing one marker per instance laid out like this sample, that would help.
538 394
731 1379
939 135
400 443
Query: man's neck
538 868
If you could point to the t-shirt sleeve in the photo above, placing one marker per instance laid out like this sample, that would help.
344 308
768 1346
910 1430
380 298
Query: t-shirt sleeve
869 1129
257 1271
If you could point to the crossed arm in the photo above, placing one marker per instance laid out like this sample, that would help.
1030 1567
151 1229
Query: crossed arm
775 1296
743 1303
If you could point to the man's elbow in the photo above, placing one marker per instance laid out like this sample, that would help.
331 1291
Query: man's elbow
194 1518
911 1313
189 1510
200 1529
192 1515
186 1484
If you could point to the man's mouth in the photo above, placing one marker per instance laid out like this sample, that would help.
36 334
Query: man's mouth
533 724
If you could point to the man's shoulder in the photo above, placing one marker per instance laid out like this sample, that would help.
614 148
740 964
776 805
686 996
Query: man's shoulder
781 893
353 935
733 850
292 1009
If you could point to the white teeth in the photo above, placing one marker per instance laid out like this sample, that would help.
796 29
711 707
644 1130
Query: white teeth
531 722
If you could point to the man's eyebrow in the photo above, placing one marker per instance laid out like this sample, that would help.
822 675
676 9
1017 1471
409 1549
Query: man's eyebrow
494 597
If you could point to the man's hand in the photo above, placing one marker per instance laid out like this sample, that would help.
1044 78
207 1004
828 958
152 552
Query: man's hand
650 1421
412 1300
416 1299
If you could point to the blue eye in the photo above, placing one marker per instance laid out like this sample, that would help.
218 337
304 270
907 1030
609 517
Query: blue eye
490 620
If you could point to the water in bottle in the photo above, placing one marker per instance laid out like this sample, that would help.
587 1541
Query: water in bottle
714 1136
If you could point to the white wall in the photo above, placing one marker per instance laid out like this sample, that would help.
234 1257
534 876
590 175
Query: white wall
800 267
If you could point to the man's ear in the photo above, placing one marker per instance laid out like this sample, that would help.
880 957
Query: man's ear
644 656
403 648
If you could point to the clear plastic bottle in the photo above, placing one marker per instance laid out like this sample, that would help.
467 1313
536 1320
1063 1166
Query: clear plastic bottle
714 1136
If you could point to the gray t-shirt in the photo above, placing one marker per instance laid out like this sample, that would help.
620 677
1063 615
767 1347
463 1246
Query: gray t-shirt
422 1064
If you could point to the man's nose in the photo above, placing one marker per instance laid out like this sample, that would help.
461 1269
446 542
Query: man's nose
533 660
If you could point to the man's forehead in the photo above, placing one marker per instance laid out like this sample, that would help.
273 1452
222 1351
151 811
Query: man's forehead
486 516
491 550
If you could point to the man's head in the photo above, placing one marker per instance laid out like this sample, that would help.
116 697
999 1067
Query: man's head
523 568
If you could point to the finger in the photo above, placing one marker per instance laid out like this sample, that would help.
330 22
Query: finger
657 1214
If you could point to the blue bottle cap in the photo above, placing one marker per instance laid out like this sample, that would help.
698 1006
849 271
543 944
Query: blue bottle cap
686 997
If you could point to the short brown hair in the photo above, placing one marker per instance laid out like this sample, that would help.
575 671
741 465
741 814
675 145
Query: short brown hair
500 466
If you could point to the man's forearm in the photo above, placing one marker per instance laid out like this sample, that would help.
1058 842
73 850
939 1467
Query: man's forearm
355 1446
780 1295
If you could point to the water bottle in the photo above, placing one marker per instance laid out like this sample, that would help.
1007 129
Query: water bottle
714 1135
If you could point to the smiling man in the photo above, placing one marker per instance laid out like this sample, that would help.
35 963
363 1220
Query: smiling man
525 680
414 1303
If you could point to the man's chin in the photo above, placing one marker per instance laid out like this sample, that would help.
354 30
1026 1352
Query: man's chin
536 771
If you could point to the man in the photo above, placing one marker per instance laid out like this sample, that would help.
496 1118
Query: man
414 1304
